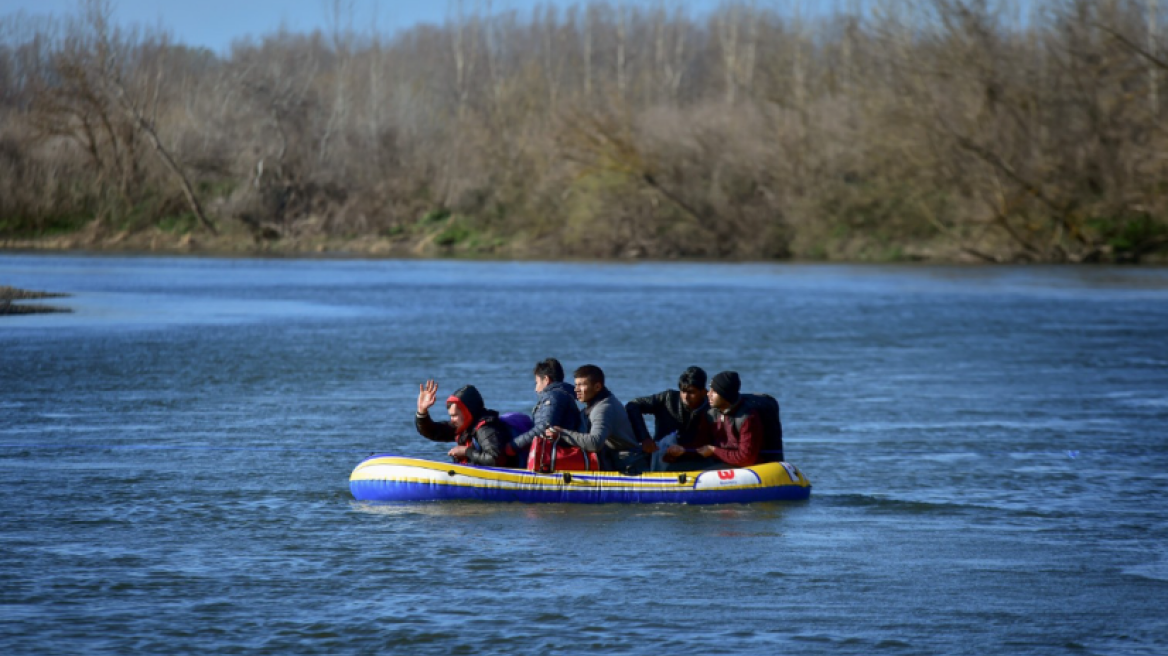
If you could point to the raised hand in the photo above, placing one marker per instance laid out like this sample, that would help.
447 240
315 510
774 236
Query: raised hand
427 396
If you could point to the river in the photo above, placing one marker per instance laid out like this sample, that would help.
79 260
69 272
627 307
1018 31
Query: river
988 448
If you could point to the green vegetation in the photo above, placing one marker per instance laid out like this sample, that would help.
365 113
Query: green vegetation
453 234
40 226
180 224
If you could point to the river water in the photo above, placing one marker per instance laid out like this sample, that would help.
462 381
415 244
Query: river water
988 449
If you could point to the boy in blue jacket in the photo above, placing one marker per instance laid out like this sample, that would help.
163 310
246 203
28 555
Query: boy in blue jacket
555 405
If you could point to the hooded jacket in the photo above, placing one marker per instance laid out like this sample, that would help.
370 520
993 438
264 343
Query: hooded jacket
483 430
555 406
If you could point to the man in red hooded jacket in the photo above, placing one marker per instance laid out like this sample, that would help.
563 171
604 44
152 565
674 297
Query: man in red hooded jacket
478 433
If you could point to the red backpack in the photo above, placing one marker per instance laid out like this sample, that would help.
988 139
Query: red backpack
548 455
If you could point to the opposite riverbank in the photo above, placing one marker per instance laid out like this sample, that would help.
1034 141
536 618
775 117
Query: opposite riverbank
446 238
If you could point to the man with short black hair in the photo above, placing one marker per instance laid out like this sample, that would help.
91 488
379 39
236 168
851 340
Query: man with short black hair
604 426
678 417
555 405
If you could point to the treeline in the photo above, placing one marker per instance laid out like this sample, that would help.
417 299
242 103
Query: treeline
888 129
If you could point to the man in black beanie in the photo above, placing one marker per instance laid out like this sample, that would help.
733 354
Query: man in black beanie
727 385
736 431
678 417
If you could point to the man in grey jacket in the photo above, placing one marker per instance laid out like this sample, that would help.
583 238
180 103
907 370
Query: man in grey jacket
605 429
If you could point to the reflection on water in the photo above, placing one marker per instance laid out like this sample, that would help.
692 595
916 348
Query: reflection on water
986 445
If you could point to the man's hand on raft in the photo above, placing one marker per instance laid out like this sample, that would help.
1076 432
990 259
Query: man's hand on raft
458 452
427 396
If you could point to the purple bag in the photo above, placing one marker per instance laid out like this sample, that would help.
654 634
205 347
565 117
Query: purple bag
518 422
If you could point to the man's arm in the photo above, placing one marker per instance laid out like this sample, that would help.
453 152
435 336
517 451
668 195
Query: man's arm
435 431
593 440
428 428
547 409
637 419
636 409
649 404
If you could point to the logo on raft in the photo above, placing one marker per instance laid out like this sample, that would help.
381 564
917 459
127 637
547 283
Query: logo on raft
726 478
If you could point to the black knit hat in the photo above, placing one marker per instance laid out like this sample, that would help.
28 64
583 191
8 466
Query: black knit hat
727 384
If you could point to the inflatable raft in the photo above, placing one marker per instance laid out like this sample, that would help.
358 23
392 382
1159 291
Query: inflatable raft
392 478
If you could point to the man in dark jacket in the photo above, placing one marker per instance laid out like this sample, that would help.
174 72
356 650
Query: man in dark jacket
555 405
678 416
478 434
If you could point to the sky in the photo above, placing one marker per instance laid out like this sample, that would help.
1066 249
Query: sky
215 24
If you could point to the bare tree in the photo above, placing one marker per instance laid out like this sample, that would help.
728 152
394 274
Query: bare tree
669 61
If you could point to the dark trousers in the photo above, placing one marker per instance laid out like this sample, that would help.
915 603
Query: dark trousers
632 463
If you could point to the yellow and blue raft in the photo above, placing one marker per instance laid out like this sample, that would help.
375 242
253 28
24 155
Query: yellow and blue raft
393 478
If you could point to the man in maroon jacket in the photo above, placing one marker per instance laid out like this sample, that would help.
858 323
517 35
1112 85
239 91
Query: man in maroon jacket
734 434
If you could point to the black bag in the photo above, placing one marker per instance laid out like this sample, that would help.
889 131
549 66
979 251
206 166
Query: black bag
767 408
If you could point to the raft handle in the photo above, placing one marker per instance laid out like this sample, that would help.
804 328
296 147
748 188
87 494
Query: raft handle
681 479
567 478
450 473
